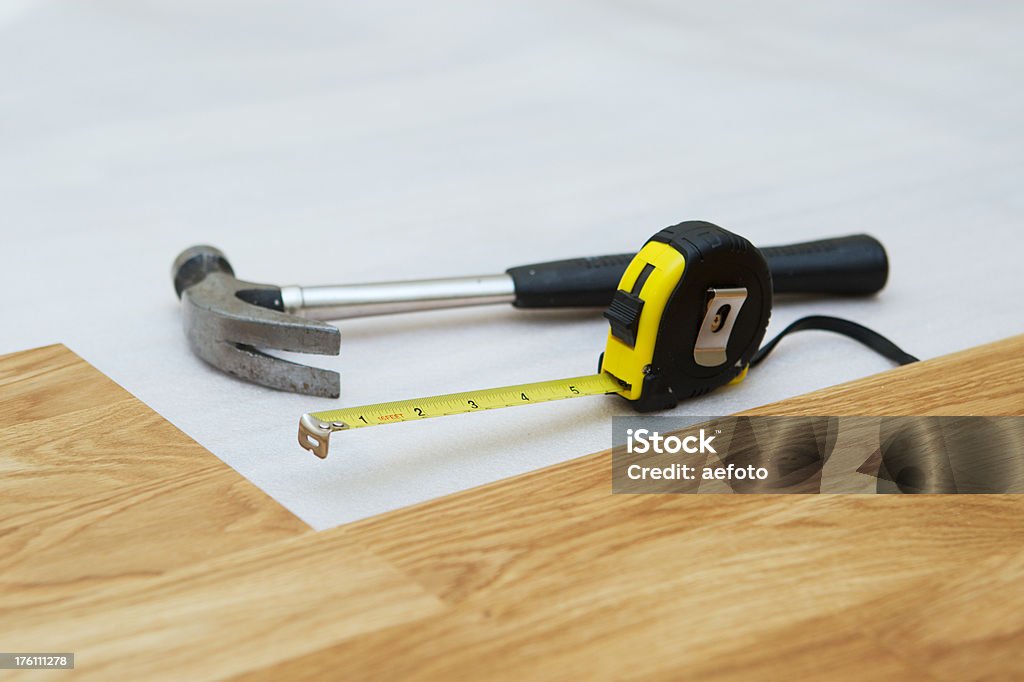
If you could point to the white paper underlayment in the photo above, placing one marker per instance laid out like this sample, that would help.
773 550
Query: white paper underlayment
322 143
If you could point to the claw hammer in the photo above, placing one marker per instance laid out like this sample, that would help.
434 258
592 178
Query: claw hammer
230 323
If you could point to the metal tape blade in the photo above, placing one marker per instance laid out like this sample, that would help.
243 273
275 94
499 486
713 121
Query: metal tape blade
315 428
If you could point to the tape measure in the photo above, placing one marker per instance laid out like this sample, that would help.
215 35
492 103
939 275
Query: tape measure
690 313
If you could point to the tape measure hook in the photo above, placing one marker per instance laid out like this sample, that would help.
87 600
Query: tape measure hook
314 435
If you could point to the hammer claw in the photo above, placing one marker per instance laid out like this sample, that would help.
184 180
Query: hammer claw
228 322
252 364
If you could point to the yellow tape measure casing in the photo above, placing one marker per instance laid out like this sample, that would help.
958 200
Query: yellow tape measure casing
625 362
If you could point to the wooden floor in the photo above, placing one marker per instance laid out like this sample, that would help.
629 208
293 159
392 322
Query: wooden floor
124 541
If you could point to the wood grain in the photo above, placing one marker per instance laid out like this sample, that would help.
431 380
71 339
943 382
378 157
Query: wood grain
97 489
119 547
238 611
986 380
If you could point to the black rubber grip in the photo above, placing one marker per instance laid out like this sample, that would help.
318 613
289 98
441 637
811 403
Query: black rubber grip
573 283
845 265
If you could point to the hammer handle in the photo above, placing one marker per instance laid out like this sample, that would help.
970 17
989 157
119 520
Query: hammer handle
853 265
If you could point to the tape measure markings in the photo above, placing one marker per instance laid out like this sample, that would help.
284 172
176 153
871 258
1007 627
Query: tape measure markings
468 401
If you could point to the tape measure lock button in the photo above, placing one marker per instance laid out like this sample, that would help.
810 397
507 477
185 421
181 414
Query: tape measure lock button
623 316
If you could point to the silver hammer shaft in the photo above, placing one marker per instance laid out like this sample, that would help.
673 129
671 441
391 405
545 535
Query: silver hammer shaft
346 301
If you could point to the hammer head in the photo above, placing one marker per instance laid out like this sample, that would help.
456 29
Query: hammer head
228 322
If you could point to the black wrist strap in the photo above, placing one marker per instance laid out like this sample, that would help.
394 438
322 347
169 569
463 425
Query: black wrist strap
869 338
